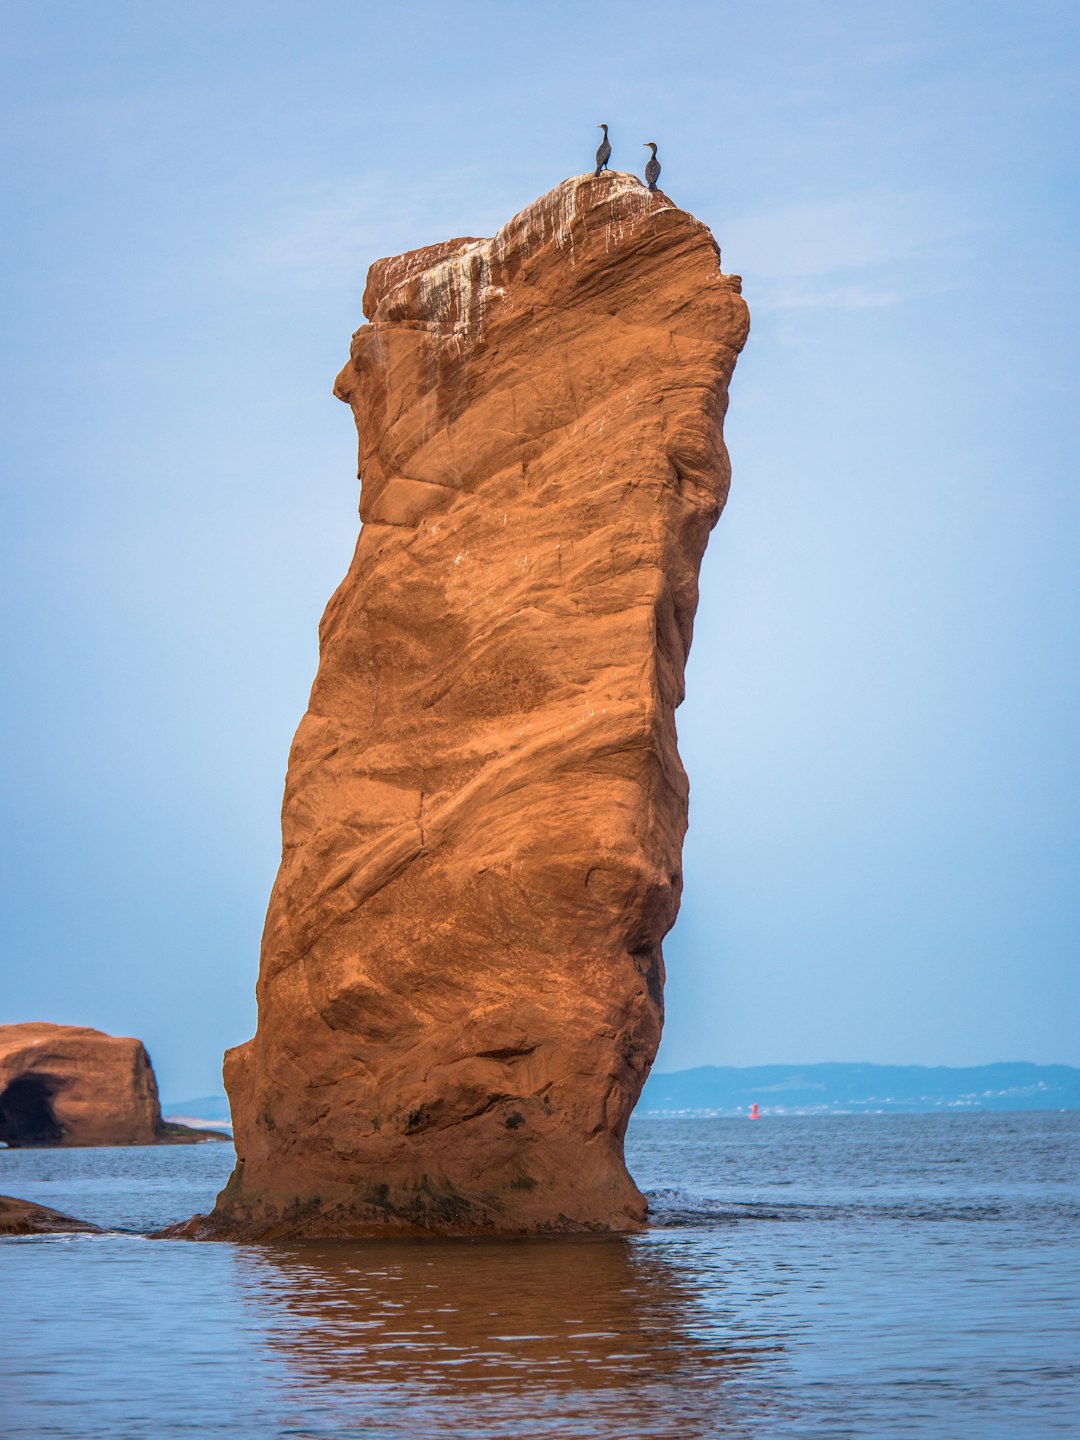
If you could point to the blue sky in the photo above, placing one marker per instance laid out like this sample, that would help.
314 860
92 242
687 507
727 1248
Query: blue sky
881 720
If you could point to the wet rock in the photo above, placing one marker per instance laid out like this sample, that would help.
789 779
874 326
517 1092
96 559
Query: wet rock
22 1217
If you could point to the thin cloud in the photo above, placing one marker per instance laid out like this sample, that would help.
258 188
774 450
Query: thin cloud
323 234
828 297
852 253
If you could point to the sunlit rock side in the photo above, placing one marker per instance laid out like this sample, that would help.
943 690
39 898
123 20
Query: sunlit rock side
461 983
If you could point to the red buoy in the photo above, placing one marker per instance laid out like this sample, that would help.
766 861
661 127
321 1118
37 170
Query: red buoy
755 1114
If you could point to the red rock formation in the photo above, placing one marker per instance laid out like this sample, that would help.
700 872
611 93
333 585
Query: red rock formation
460 991
69 1085
23 1217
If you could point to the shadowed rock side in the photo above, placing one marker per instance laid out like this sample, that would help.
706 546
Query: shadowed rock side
70 1085
461 982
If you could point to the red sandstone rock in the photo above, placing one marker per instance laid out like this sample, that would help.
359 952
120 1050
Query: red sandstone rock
460 991
69 1085
23 1217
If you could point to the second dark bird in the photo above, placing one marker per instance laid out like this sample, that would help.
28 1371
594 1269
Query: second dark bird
603 154
652 166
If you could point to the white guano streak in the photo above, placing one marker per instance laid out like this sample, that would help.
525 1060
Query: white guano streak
455 293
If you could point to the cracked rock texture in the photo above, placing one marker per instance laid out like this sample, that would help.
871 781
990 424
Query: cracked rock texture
461 983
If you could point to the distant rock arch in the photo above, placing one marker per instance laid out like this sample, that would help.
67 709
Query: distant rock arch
71 1085
26 1112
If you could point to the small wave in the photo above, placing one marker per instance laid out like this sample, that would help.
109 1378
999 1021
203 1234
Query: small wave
671 1208
678 1208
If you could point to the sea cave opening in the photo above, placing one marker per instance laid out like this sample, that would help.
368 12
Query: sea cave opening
26 1112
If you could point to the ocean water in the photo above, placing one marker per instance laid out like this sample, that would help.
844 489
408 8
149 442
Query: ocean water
871 1277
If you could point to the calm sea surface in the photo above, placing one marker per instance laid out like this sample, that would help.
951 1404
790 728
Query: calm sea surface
900 1276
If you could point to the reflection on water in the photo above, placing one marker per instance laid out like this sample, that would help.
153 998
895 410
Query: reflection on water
886 1278
561 1337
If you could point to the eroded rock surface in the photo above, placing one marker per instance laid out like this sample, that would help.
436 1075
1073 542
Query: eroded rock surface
70 1085
460 991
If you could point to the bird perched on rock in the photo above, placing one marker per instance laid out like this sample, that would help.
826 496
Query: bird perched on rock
603 154
652 166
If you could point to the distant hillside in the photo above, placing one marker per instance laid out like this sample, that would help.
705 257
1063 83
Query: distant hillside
839 1089
207 1107
836 1089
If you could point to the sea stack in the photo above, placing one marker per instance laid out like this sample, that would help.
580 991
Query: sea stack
461 982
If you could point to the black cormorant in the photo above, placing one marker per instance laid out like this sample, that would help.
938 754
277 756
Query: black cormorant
603 155
652 166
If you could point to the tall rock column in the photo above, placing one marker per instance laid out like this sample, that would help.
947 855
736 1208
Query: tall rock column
461 983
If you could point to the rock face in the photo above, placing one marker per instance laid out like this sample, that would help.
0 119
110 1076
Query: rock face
461 983
68 1085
